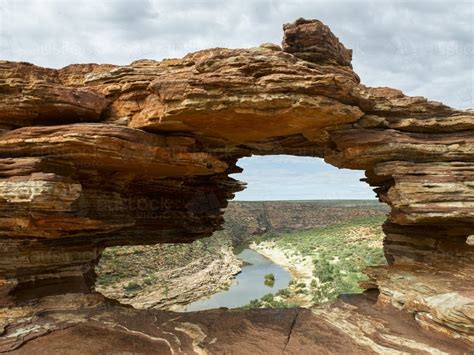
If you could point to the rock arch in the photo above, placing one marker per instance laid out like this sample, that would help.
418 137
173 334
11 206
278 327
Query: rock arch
99 155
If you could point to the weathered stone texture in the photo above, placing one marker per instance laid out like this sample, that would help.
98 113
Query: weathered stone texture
97 155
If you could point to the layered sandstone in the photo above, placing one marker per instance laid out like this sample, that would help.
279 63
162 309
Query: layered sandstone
353 326
99 155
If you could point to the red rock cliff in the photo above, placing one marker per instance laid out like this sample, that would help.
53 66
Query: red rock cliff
99 155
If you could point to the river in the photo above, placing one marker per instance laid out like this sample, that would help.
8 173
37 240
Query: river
248 284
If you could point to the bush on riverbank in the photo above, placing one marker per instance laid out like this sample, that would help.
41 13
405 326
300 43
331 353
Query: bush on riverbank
268 301
269 279
340 253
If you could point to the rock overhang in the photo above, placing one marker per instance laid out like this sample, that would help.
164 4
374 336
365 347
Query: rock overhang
98 155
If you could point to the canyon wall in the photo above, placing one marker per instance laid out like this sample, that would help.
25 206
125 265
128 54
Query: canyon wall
101 155
244 220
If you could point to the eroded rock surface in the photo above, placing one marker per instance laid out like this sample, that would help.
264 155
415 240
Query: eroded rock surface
100 155
356 325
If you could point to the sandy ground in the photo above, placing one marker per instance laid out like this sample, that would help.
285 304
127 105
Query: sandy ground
300 267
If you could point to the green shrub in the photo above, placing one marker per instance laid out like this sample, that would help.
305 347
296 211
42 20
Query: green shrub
267 298
270 277
106 279
283 292
132 286
269 280
324 271
148 281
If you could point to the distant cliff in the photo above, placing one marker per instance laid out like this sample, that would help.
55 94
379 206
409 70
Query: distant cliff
245 219
168 276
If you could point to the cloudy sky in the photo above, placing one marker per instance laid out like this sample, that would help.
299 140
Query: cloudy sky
421 47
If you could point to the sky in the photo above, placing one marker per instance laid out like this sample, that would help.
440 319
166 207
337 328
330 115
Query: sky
421 47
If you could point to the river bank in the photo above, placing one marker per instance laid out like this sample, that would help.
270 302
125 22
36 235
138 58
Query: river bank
171 277
300 267
325 262
251 283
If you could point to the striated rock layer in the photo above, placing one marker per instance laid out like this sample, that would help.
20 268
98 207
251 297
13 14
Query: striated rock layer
100 155
355 326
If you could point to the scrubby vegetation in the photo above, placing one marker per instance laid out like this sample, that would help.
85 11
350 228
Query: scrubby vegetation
268 301
130 270
339 254
245 220
340 238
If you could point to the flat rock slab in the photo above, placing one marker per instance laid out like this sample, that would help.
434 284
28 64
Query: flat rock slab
352 326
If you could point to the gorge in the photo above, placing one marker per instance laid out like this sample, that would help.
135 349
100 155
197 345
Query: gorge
225 267
94 156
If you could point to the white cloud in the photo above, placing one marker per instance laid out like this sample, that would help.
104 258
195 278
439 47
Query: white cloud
422 47
285 177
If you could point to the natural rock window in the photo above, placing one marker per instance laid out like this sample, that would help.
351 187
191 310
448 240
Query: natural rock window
141 154
307 250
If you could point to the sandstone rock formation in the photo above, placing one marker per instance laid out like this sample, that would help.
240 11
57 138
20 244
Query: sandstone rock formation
100 155
246 219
